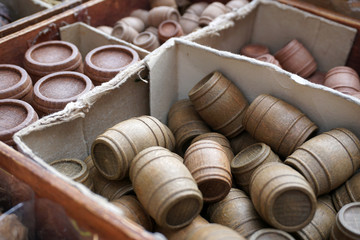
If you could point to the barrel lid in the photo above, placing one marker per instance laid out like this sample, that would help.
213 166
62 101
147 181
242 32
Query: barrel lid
271 234
349 218
71 167
14 81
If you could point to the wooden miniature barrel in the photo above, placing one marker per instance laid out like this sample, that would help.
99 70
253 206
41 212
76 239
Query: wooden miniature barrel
134 22
211 12
210 167
169 29
146 40
347 224
278 124
54 91
220 139
343 79
269 58
15 83
241 141
318 159
113 151
235 4
105 62
52 56
158 3
248 160
237 212
295 58
134 211
185 123
111 189
320 226
141 14
214 94
254 50
214 231
159 14
15 115
282 197
165 187
347 193
271 234
124 32
189 22
75 169
197 8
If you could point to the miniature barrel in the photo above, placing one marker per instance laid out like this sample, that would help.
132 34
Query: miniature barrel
271 234
347 193
318 78
141 14
169 29
220 139
124 32
134 22
343 78
146 40
152 30
210 167
113 151
347 224
159 14
111 189
214 231
185 123
248 160
165 187
318 159
134 211
105 29
197 8
241 141
211 12
320 226
282 197
189 22
235 4
254 50
237 212
158 3
214 94
269 58
278 124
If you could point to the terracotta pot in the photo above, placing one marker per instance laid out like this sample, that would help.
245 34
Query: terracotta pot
241 141
254 50
343 79
159 14
319 158
210 167
235 4
152 30
111 190
113 151
269 58
197 8
158 3
248 160
105 29
15 83
142 14
52 56
15 115
282 196
348 192
237 212
185 123
54 91
213 231
347 222
318 78
214 94
165 188
146 40
271 234
169 29
278 124
124 32
105 62
295 58
189 22
211 12
134 22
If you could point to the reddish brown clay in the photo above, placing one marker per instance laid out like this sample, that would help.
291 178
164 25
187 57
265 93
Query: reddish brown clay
197 8
254 50
278 124
105 29
52 56
348 192
355 94
189 22
211 12
141 14
282 196
159 14
165 187
248 160
295 58
158 3
271 234
241 141
347 224
344 79
146 40
113 151
269 58
236 211
213 231
168 29
214 94
210 167
124 32
235 4
134 22
318 78
318 159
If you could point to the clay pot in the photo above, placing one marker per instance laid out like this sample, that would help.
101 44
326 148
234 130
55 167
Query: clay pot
220 139
235 4
165 187
74 169
248 160
15 115
158 3
141 14
159 14
185 123
237 212
15 83
344 79
347 223
214 94
169 29
189 22
113 151
295 58
319 158
278 124
269 58
320 226
348 192
271 234
282 196
54 91
124 32
152 30
133 210
147 40
241 141
213 231
211 12
254 50
197 8
318 78
134 22
105 62
105 29
52 56
210 167
111 189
